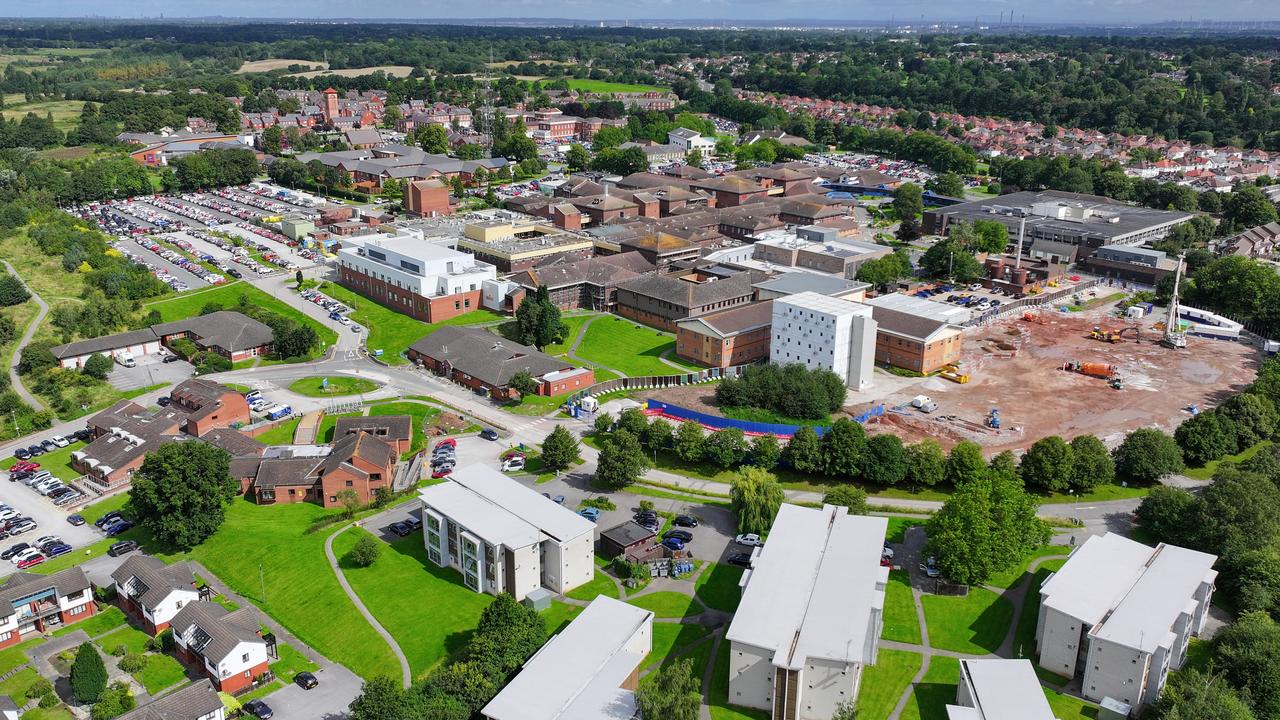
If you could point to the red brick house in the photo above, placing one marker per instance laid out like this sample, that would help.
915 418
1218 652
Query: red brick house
151 592
227 647
395 430
32 604
359 462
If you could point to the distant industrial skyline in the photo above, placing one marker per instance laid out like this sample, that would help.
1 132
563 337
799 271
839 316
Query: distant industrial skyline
987 12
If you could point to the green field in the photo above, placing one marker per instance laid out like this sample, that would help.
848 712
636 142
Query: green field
669 638
1007 578
600 584
884 682
281 434
627 347
667 604
419 415
66 113
930 698
604 86
900 621
717 587
337 385
975 623
189 305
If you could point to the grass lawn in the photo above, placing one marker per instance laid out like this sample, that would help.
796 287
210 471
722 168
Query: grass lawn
132 638
105 621
717 587
338 385
601 584
1024 638
16 686
669 638
604 86
54 713
976 623
1206 472
1009 577
559 615
162 671
718 698
66 113
883 683
43 273
667 604
281 434
900 621
898 526
291 663
1066 707
426 608
328 423
57 462
189 304
761 415
12 657
419 414
627 347
935 692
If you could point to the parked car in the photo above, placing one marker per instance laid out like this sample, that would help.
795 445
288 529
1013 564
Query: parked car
590 513
163 401
59 441
443 472
27 553
672 544
447 442
21 453
22 526
748 539
117 527
57 550
685 521
30 561
559 499
12 550
401 528
124 547
170 358
414 523
513 464
930 567
739 559
306 680
77 520
683 536
489 434
258 709
49 445
107 519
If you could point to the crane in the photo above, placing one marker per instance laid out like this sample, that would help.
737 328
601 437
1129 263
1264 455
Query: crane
1173 335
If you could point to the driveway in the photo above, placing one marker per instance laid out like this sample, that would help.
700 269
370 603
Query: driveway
327 701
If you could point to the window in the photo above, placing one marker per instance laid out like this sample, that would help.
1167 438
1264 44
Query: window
244 657
350 484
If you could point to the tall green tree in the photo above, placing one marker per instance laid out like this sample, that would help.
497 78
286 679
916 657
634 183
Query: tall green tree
675 694
926 463
434 139
803 451
766 451
622 461
1247 653
1091 464
559 449
690 441
1048 464
843 445
181 492
884 462
1205 438
88 674
965 464
1146 455
1194 695
755 496
726 447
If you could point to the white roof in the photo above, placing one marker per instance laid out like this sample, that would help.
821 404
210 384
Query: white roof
901 302
813 586
411 245
1130 593
553 519
578 674
479 516
1004 690
818 302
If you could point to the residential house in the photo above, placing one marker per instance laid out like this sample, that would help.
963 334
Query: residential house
395 430
197 701
230 334
359 462
151 592
31 604
487 362
226 646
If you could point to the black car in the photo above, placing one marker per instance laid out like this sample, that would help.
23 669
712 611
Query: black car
400 528
49 445
683 536
645 515
13 550
685 521
169 359
84 435
258 709
740 559
19 475
107 519
414 523
163 401
117 527
306 680
488 434
35 451
234 273
124 547
22 454
76 520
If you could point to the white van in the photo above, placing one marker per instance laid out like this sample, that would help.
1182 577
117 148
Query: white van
125 358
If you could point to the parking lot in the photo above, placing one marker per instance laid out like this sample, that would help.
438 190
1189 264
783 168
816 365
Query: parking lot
49 519
150 370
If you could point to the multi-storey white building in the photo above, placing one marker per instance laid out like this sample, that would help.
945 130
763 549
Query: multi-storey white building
503 536
424 279
690 140
589 671
999 690
811 613
819 331
1120 614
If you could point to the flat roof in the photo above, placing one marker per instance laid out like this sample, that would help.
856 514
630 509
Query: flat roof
578 674
802 280
480 516
919 306
812 588
1005 690
553 519
818 302
406 244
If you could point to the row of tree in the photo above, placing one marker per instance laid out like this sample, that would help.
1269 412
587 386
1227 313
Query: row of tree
791 390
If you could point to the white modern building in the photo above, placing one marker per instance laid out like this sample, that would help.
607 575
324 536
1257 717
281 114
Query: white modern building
999 690
1120 614
689 140
588 672
819 331
505 537
421 278
811 613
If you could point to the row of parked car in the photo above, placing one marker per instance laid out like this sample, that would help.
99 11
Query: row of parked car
26 555
261 405
181 261
258 201
444 457
42 481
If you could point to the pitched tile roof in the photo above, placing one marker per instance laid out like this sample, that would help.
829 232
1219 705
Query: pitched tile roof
21 585
484 355
149 580
689 294
193 702
385 427
224 629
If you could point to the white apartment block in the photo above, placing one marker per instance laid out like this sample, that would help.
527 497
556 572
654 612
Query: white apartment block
1120 614
689 140
819 331
811 613
999 690
505 537
413 264
588 672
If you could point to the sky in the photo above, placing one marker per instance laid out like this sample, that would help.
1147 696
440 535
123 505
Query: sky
1093 11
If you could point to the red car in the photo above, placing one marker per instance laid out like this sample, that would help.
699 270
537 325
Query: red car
451 442
25 466
31 562
886 562
441 473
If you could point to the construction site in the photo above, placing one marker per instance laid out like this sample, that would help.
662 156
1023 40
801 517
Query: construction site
1068 373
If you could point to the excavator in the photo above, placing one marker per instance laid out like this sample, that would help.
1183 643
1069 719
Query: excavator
1115 336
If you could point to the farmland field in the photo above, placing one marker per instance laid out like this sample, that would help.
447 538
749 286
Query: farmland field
253 66
604 86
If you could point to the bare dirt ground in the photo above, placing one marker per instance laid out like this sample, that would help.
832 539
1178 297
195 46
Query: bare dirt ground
1015 366
399 71
252 66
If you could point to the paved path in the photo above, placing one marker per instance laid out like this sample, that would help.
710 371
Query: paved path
666 360
573 351
405 673
34 325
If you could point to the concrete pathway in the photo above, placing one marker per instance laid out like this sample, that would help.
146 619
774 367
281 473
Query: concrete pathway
573 350
665 359
406 675
30 332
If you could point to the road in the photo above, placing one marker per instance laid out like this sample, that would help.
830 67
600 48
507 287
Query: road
27 334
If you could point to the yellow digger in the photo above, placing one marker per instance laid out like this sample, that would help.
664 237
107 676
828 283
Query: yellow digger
952 373
1110 336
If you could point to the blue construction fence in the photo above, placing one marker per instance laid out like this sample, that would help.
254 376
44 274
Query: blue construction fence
675 412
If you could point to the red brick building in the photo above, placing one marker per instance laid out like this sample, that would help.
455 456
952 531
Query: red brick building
226 647
487 362
426 198
395 430
151 592
32 604
358 461
736 336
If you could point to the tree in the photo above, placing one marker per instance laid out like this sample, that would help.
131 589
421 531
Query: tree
850 496
1091 464
524 383
883 271
1247 207
98 366
271 139
765 451
181 492
884 462
948 184
622 461
1048 464
1193 695
657 435
1253 416
116 700
12 291
349 500
965 464
381 698
365 552
603 423
755 496
690 441
1165 513
1146 455
950 258
726 447
507 634
908 202
297 279
987 525
577 157
88 675
847 710
926 463
538 320
842 447
693 158
1203 438
559 449
1248 655
610 137
434 139
675 694
633 420
804 451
